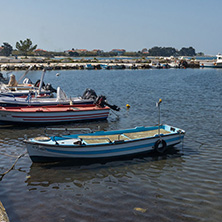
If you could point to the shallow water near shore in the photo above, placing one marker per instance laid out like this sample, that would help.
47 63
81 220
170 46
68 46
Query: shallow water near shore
183 185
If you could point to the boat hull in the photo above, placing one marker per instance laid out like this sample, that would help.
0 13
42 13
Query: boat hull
52 114
22 102
25 93
210 65
57 150
91 160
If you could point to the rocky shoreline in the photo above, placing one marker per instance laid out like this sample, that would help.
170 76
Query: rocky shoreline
3 214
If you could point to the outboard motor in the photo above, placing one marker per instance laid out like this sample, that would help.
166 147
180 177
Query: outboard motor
89 94
49 87
101 101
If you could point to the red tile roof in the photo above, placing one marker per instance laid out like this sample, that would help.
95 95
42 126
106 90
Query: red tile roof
40 50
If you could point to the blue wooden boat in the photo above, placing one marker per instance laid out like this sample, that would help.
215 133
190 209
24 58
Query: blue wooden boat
103 145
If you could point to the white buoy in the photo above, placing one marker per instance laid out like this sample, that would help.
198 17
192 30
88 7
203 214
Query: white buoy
57 74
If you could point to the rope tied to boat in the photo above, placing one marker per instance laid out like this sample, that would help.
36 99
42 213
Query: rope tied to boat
117 116
13 165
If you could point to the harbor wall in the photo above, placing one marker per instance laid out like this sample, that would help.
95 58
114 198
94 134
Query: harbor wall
112 64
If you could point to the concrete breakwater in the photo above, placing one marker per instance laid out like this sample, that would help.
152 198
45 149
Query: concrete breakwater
91 64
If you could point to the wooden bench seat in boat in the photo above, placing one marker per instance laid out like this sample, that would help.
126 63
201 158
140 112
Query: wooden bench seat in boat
103 139
144 134
120 137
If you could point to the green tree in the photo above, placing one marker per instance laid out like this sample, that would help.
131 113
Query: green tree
7 49
162 51
73 53
187 51
25 46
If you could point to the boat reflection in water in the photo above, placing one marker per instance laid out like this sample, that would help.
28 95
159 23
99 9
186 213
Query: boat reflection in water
58 173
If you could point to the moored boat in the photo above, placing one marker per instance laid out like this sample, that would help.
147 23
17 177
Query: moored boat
53 114
213 64
89 97
103 145
24 91
219 60
16 89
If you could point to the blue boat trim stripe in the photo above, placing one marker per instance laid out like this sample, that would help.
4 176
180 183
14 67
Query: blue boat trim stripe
108 150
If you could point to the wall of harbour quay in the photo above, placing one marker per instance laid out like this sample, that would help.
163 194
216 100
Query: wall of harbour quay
98 65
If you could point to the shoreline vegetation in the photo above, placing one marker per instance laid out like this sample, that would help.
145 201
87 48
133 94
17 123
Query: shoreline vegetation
26 54
118 62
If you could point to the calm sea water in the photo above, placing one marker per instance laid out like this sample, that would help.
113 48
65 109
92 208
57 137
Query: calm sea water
184 185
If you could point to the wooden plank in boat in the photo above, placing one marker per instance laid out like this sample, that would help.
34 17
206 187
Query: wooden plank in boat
126 136
144 134
103 139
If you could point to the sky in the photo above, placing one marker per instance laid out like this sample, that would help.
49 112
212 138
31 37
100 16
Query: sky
59 25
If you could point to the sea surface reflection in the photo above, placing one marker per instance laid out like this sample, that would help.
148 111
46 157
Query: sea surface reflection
183 185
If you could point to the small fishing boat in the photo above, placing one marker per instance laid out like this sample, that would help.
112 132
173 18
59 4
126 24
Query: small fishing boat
213 64
16 89
53 114
89 97
102 146
24 91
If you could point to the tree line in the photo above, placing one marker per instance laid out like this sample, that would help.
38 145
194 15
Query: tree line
26 48
169 51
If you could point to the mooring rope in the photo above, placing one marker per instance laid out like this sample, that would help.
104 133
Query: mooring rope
13 165
5 154
117 116
201 143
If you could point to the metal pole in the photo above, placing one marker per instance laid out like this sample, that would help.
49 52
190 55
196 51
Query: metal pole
159 120
24 74
158 104
41 81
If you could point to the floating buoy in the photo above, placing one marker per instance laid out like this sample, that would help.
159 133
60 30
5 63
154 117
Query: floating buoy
127 106
158 103
57 74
